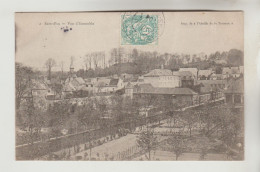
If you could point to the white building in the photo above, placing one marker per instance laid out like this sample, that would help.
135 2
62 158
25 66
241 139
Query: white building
162 78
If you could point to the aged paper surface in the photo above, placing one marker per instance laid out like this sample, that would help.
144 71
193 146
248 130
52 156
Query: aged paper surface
129 86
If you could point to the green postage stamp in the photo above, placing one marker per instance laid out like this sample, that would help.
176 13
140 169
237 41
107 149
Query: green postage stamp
139 29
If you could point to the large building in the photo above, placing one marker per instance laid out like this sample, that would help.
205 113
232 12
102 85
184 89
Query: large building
162 78
174 95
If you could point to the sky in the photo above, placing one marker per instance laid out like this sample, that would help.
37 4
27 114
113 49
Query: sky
40 36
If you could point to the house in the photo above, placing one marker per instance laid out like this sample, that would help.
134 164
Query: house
194 71
107 85
187 78
88 83
115 84
69 87
234 92
100 84
217 76
185 95
74 86
126 76
204 74
234 72
73 80
50 96
162 78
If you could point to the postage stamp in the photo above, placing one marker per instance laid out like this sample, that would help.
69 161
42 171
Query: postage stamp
139 29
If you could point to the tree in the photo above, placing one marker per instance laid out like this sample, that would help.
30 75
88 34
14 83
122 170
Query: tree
134 55
34 120
62 68
189 120
96 59
23 76
203 153
114 56
235 57
147 141
203 146
88 61
23 82
49 64
177 145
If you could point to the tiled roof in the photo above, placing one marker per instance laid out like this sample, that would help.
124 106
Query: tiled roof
102 82
80 80
182 73
204 72
149 89
159 72
189 69
113 82
69 87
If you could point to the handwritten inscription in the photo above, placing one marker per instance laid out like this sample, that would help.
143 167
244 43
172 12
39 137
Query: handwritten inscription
67 23
205 23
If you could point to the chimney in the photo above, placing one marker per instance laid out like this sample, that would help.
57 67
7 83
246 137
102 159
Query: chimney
162 66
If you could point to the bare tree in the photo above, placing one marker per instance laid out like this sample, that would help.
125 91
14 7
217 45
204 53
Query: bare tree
95 59
49 64
189 120
177 145
147 141
104 59
88 61
114 56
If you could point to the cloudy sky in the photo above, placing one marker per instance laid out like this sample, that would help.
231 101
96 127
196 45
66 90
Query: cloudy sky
40 36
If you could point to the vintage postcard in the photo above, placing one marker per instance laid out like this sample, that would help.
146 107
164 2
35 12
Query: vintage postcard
129 86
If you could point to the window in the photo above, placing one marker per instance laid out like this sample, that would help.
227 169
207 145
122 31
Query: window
229 98
237 99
